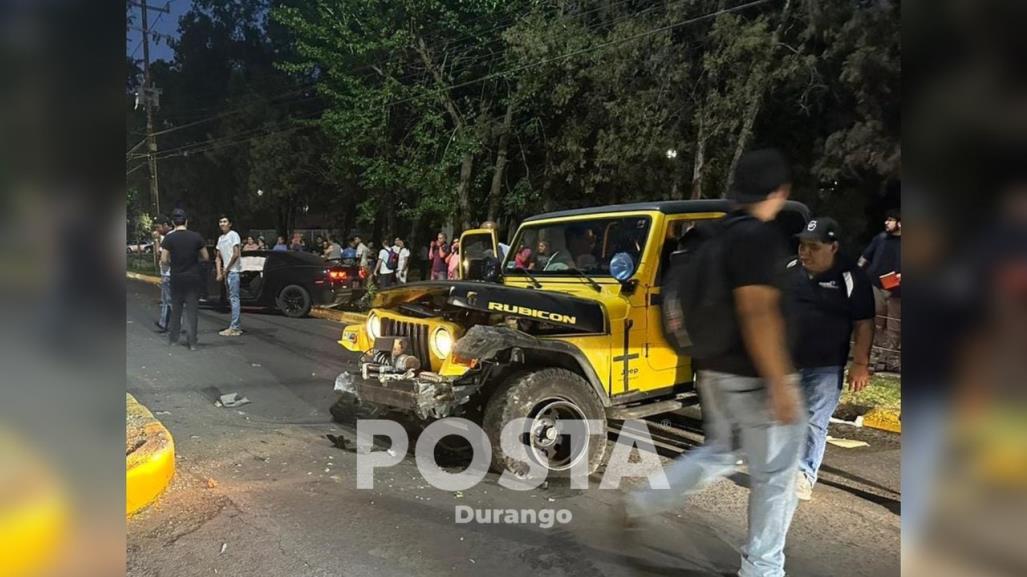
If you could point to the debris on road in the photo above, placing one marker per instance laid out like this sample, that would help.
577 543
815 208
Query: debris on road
231 400
212 484
847 443
339 441
223 547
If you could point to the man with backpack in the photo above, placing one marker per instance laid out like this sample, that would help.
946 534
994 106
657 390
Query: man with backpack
388 261
833 303
732 323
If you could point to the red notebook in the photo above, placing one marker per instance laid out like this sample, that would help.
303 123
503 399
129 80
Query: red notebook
890 280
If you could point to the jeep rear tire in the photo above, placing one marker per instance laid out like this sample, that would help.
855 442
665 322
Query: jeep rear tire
545 396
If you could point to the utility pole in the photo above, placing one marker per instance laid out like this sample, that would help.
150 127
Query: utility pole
149 96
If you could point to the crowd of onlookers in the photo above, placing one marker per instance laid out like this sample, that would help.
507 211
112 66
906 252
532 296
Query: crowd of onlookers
387 265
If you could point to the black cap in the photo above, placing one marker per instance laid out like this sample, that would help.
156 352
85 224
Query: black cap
178 213
823 229
759 173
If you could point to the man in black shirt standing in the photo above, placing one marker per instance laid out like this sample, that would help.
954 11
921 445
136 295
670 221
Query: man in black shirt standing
748 386
882 260
832 303
182 252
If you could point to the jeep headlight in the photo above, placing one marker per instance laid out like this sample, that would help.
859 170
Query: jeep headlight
442 342
374 326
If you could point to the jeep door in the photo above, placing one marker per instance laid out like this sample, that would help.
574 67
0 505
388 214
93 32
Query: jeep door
662 358
478 247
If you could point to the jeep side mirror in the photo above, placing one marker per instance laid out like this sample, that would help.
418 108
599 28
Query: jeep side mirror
622 267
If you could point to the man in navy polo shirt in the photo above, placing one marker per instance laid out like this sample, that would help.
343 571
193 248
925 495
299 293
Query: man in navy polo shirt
832 301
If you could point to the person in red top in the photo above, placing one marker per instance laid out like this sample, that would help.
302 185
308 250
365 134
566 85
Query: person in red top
523 260
438 252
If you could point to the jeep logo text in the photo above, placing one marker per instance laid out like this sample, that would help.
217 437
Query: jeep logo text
529 312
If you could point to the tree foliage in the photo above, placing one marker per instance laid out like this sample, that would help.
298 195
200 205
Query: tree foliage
418 114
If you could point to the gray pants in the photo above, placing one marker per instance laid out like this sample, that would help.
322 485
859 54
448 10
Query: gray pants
734 404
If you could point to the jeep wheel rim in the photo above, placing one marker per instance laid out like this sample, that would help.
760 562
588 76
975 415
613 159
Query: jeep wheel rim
550 448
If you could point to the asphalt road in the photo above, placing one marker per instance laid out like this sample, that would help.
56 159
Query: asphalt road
261 491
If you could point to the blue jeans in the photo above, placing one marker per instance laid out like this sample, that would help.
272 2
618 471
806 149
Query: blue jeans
822 387
165 301
736 404
232 282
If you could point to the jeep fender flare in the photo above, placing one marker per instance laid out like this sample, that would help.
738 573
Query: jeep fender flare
488 342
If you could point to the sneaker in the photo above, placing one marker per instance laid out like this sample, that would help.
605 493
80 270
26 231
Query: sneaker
230 332
803 488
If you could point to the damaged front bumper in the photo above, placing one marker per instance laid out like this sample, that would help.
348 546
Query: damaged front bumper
426 395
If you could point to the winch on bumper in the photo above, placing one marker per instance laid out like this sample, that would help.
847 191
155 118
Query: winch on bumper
390 378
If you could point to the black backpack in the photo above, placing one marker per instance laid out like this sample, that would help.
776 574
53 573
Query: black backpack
698 305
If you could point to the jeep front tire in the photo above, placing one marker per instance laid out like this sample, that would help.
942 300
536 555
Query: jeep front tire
545 397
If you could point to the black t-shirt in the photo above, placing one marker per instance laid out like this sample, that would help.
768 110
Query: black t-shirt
825 308
756 255
884 255
184 246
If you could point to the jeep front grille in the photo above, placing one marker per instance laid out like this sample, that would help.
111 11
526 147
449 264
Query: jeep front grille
417 333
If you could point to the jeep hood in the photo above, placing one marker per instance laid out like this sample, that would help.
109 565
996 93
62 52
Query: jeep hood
551 307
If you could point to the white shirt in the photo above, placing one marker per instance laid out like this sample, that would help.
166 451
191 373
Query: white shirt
165 269
226 248
383 262
401 273
362 254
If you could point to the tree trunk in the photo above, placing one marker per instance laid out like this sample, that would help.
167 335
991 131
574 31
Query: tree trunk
390 216
501 159
463 190
752 109
700 159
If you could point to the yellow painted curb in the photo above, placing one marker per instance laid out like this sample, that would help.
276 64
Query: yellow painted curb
345 317
154 280
149 456
34 511
883 419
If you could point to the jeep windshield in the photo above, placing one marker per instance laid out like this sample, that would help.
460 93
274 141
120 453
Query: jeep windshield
553 249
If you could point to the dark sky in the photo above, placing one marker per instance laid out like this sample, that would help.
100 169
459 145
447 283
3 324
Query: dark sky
165 24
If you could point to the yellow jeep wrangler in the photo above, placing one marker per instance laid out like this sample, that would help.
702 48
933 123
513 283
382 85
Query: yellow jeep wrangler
565 325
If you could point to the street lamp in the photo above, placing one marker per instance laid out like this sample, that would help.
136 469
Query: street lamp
260 192
672 154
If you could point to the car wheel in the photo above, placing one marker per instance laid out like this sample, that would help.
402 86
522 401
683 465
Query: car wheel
546 397
294 301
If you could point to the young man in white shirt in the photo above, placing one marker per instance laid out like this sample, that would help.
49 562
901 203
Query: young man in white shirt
361 251
385 274
403 262
228 269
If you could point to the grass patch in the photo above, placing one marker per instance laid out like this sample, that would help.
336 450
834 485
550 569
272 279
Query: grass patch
142 264
883 392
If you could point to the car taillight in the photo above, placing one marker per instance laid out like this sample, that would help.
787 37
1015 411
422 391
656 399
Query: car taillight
363 273
337 275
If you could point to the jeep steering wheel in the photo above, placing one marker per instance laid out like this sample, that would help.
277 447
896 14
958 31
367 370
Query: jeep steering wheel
550 263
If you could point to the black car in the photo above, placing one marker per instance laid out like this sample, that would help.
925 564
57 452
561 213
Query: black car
289 281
